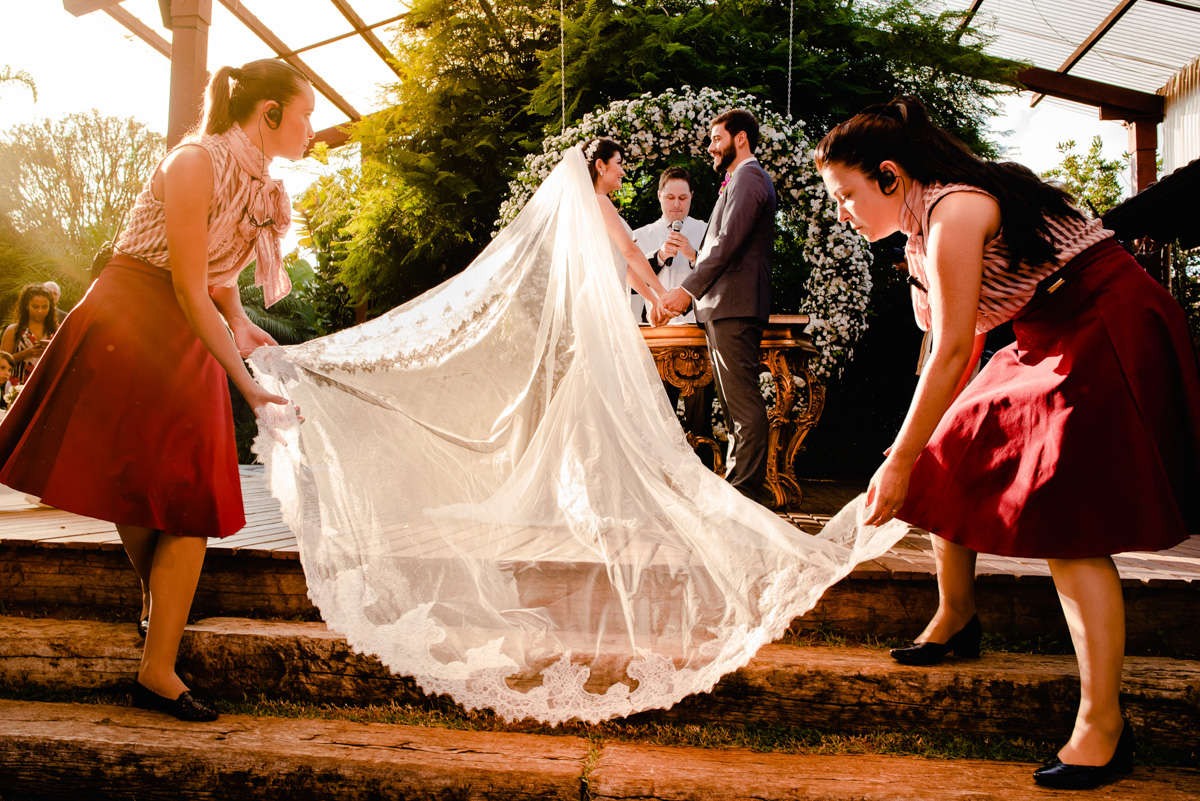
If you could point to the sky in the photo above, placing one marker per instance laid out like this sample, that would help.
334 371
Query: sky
92 61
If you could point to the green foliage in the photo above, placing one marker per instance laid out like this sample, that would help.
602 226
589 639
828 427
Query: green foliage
480 89
846 55
65 186
1092 179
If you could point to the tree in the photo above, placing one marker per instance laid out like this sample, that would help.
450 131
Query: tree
1092 179
65 188
480 89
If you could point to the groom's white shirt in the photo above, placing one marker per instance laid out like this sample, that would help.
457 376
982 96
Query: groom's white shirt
649 238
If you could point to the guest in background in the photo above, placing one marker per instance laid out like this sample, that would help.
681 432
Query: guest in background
56 292
26 338
7 366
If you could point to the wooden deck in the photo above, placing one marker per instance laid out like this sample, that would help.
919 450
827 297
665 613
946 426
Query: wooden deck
266 536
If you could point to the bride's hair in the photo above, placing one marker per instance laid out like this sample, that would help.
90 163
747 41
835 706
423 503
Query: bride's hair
901 131
599 149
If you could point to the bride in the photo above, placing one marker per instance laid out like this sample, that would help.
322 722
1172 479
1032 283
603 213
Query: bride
605 165
491 493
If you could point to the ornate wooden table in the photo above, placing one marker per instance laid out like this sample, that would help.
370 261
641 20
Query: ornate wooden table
681 355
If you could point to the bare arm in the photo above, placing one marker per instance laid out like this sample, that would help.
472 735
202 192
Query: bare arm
641 275
8 341
187 189
246 335
960 226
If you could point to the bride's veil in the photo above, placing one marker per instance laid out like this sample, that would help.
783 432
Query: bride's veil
491 493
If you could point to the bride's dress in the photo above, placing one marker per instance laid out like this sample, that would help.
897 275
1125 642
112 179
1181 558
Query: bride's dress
491 493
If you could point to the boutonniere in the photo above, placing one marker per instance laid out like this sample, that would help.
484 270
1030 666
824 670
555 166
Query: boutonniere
724 183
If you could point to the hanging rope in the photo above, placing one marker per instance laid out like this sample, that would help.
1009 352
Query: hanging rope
562 64
791 21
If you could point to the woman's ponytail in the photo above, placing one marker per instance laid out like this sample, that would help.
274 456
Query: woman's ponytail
233 91
217 102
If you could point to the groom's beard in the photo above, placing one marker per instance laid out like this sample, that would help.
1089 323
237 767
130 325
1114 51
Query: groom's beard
721 164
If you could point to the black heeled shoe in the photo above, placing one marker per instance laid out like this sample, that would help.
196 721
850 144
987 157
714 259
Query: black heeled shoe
185 707
964 644
1061 776
143 627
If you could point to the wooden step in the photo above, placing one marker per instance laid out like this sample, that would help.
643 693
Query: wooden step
71 579
823 687
72 751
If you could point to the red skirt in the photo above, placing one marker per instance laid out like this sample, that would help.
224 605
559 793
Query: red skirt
1082 438
126 417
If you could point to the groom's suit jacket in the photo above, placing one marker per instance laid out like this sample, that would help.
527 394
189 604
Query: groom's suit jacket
732 274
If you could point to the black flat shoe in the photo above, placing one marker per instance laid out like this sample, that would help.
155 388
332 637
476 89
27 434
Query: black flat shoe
964 644
1061 776
143 627
185 707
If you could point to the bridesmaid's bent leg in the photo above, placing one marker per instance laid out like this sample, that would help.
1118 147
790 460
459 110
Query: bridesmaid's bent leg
1090 593
956 590
139 545
173 577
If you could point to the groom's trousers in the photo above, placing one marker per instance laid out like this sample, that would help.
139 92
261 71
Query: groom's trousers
734 347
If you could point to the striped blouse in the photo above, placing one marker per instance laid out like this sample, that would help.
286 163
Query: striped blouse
248 215
1005 288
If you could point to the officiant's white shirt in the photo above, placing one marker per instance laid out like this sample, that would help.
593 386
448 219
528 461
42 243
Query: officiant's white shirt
649 239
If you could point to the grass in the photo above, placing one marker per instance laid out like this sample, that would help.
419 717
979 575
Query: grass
925 743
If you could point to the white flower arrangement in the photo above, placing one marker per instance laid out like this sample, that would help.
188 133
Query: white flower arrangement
676 122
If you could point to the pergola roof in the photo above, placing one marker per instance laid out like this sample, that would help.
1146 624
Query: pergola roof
339 44
1134 44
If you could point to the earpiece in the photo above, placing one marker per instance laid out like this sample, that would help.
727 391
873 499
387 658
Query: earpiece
274 116
887 182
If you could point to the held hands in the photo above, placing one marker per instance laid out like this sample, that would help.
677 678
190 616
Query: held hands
676 301
887 490
657 314
248 337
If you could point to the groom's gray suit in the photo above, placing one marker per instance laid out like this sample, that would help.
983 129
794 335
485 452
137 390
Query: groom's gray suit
731 286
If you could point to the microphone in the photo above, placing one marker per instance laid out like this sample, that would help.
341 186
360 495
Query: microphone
676 226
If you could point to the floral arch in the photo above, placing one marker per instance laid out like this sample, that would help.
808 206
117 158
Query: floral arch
837 260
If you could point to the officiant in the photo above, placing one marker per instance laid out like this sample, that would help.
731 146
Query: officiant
670 244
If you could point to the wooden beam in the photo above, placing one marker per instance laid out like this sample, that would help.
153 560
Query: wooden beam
1174 4
334 136
361 27
1128 103
239 10
1104 27
1143 152
140 29
190 20
970 15
346 35
81 7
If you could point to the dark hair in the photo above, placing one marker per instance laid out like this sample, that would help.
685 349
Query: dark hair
675 174
900 131
5 356
738 121
599 149
28 293
233 91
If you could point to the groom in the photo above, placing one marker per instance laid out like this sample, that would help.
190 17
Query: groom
731 288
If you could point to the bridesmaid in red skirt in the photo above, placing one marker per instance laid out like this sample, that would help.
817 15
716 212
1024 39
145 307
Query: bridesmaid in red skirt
127 415
1078 441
